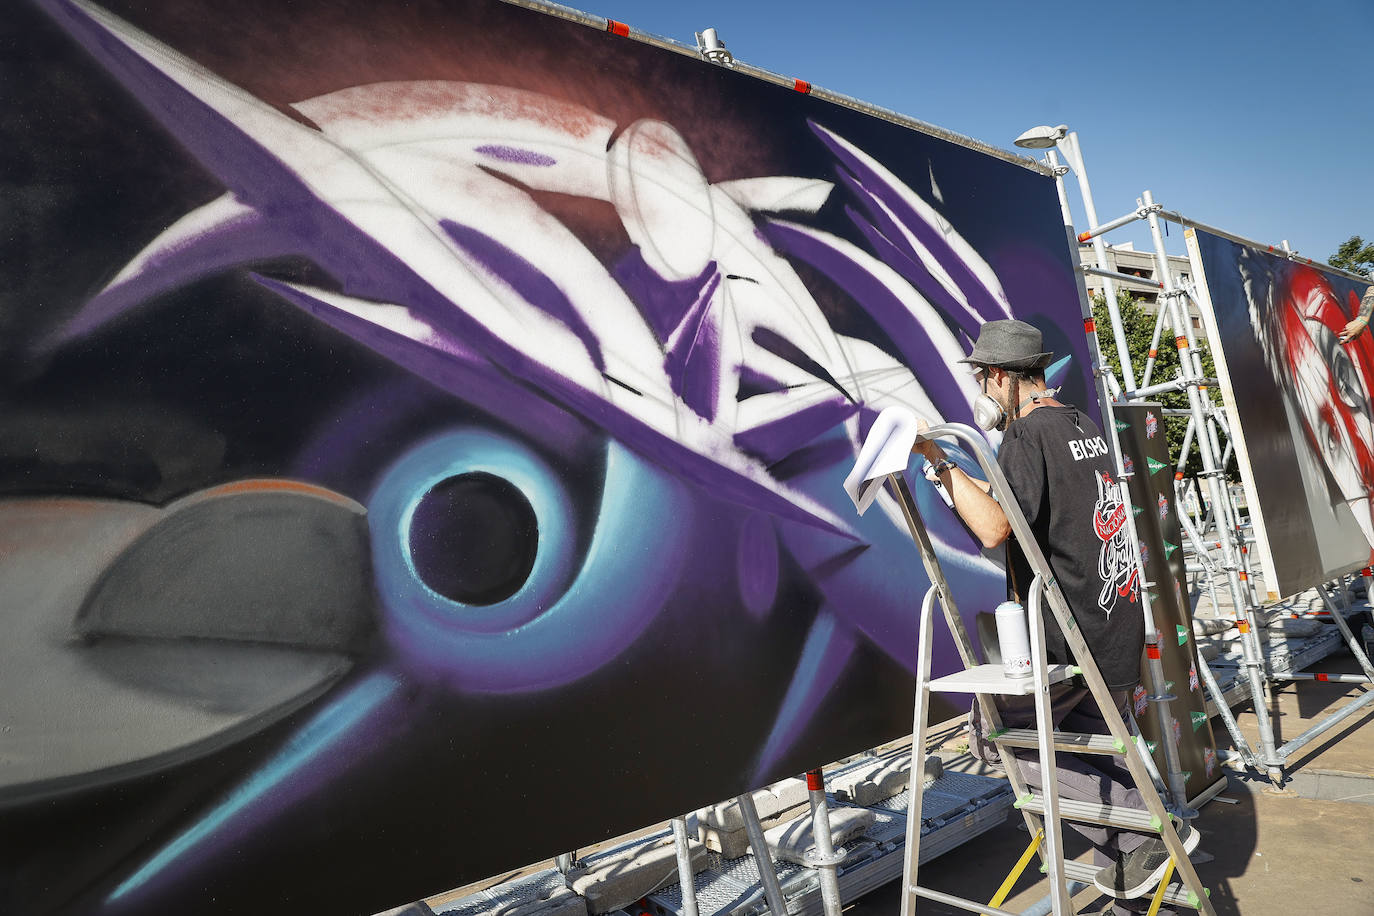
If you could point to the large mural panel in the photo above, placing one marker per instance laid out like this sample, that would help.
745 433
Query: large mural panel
1298 404
423 435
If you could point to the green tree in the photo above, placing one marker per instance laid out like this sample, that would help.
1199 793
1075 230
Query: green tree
1139 327
1355 256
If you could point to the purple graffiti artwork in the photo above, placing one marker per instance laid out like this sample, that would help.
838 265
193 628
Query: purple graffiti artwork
585 402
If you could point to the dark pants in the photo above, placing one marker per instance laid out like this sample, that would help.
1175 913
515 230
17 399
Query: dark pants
1089 777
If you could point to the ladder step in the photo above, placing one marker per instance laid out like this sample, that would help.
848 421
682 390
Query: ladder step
1072 742
962 903
1137 819
1083 873
992 679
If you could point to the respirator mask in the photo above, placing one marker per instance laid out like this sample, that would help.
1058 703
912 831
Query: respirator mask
988 413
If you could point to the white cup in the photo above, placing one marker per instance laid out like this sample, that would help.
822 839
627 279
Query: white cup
1013 639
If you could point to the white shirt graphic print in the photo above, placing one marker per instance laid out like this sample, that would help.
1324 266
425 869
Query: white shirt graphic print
1115 565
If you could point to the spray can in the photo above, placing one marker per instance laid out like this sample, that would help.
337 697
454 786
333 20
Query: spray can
1013 638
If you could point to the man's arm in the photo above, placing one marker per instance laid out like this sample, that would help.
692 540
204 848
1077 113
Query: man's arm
1360 321
970 496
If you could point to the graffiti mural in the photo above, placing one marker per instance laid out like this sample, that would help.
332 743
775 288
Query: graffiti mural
424 429
1308 467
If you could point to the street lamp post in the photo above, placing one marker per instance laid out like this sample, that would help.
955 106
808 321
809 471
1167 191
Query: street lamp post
1062 139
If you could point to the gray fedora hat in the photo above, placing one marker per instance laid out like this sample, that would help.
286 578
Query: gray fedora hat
1009 344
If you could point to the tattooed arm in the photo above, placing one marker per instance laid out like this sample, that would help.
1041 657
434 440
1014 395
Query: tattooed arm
1361 321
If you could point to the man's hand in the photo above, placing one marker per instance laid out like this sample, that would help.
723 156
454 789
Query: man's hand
928 449
1352 329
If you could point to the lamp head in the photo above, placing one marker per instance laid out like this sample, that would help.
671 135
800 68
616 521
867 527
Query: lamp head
1042 137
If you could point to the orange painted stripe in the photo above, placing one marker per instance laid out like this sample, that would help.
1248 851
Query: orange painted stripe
274 485
618 28
802 86
1089 326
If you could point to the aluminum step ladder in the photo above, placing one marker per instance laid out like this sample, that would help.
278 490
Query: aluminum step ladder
882 462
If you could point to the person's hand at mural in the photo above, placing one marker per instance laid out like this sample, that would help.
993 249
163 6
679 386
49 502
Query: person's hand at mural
1360 321
970 496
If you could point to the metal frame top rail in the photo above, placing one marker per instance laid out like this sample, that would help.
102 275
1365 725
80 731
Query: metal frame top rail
1181 220
1144 211
610 25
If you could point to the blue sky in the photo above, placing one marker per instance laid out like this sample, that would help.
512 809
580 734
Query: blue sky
1254 116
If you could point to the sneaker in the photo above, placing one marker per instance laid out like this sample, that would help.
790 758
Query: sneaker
1138 871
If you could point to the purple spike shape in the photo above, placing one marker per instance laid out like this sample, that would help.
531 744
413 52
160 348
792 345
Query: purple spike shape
237 240
875 187
661 302
915 272
911 340
775 440
369 270
256 177
528 281
752 382
693 363
451 367
515 154
830 451
778 345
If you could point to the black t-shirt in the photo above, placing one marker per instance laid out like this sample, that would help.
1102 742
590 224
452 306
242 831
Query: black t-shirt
1059 469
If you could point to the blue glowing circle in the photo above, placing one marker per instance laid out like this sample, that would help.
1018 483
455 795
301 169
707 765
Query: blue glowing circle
576 612
410 484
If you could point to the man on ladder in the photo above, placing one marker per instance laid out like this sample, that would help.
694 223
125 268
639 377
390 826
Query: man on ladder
1058 466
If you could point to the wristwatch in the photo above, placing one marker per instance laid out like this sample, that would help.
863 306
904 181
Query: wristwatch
934 471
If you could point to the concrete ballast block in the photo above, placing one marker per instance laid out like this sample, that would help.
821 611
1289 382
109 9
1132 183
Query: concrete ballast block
732 844
726 816
882 779
619 880
793 840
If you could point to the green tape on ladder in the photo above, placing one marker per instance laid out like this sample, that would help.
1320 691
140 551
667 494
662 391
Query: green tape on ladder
994 735
1155 822
1119 745
1023 801
1192 897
